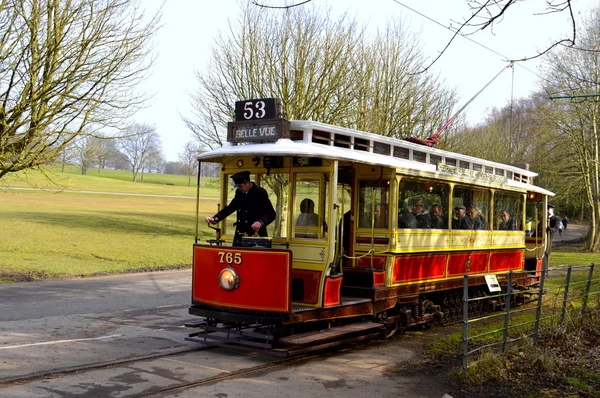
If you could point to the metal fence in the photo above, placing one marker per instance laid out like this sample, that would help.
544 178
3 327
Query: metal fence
552 308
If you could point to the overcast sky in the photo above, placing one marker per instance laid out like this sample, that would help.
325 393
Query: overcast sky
189 27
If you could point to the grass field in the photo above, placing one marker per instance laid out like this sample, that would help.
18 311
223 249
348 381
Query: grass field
114 226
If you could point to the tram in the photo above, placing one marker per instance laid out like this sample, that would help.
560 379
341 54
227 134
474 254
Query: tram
396 226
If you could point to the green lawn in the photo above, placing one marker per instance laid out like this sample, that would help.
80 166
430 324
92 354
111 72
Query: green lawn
90 225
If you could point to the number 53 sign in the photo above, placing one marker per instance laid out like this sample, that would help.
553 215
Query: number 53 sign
257 109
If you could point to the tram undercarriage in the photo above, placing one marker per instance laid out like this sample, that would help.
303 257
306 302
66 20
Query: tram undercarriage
376 314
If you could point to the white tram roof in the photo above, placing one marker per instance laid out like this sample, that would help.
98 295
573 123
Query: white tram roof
315 139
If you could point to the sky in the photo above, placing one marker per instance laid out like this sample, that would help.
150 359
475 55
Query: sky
184 42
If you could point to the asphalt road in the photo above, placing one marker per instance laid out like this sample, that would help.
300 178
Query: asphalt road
66 325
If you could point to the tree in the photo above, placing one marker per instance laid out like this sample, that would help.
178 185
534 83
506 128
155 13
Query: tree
576 73
484 14
104 148
66 67
189 159
141 147
85 152
322 69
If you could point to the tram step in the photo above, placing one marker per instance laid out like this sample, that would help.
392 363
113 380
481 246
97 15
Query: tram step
332 333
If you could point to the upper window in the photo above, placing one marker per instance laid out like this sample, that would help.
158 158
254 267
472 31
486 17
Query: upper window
422 204
310 206
471 208
508 212
373 204
277 186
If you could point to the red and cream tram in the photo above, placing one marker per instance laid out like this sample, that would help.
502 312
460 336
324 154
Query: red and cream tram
395 227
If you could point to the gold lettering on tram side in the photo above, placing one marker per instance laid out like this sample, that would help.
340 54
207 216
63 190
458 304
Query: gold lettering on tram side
230 258
471 173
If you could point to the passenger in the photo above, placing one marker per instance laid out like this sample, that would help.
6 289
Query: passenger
307 216
472 220
507 224
459 212
254 208
438 218
406 219
422 216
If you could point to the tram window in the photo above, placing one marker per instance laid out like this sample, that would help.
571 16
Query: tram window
277 186
533 216
422 204
475 204
508 212
373 204
310 210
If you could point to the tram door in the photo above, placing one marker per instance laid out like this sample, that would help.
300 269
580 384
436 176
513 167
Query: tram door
346 211
535 235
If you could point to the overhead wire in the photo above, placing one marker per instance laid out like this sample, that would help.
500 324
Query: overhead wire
506 59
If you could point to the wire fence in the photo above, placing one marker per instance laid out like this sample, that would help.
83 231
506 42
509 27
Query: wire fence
564 298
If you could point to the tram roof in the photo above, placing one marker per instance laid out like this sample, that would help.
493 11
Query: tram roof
315 139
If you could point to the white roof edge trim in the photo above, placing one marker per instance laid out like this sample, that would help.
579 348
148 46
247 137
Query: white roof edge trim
303 124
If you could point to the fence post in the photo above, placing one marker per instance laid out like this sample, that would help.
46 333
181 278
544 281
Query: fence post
538 311
588 285
507 301
566 296
465 329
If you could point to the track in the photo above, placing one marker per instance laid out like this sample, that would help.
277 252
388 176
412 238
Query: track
188 369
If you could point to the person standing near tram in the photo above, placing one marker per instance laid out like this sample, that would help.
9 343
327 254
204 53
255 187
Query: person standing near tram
254 208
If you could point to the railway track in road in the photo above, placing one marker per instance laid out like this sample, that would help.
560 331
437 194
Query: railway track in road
83 368
281 363
143 376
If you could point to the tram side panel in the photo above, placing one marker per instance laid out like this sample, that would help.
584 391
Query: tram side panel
236 279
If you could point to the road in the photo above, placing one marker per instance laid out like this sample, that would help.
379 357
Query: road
50 331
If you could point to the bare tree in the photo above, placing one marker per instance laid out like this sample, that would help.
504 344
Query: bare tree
484 15
322 69
189 159
576 73
84 151
141 147
66 67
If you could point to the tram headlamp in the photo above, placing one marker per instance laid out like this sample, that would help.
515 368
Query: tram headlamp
228 279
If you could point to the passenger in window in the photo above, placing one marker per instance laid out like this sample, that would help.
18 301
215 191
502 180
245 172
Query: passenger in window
473 220
406 219
507 224
422 216
307 216
438 218
459 213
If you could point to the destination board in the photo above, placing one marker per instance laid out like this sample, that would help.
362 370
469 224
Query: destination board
265 131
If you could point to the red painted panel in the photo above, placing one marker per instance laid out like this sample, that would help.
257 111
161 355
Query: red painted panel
264 278
468 263
333 287
312 283
506 260
539 266
419 267
378 261
378 278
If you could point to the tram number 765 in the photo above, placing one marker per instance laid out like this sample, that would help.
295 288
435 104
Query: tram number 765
230 258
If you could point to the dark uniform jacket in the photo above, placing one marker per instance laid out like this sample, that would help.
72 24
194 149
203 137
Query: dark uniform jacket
252 206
